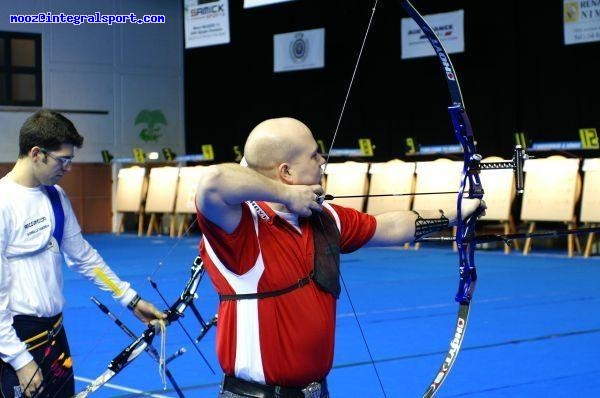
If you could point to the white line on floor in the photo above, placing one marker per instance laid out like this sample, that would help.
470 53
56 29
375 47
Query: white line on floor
121 388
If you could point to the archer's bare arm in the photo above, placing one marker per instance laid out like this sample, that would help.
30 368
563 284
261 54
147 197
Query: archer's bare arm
222 188
398 227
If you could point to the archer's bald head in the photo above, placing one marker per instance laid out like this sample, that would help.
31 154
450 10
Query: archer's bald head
273 142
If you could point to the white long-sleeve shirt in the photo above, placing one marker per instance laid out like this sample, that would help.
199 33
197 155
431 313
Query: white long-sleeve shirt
31 280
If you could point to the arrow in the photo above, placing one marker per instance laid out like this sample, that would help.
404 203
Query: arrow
378 195
508 238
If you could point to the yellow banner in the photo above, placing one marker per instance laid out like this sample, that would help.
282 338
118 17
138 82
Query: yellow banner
411 145
365 146
139 155
207 152
589 138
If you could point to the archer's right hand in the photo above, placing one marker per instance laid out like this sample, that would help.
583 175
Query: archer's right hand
30 379
303 199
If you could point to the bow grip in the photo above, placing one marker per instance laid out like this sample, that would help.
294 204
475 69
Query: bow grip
466 286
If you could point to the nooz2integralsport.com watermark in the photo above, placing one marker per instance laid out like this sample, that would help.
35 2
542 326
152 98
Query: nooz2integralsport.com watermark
78 19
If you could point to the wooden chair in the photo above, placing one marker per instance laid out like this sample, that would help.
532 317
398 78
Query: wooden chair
500 193
552 188
160 200
590 199
185 205
393 177
348 178
132 185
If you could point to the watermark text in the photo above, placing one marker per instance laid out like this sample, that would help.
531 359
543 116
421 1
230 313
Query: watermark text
79 19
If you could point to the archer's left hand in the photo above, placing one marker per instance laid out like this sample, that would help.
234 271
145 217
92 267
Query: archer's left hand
147 312
471 206
481 209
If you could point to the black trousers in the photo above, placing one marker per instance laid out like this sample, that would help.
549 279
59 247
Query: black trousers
53 357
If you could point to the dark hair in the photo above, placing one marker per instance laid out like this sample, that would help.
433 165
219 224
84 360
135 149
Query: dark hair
49 130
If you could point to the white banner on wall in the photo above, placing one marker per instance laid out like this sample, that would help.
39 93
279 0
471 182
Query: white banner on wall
581 20
449 27
258 3
206 22
299 50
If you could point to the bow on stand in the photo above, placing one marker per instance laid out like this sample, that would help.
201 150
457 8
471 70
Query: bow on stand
144 341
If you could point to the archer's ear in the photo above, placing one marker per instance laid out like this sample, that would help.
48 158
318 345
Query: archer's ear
283 172
35 152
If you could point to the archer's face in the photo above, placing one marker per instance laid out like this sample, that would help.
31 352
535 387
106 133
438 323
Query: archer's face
50 166
306 167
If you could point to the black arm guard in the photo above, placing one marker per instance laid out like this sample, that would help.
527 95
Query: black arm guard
426 226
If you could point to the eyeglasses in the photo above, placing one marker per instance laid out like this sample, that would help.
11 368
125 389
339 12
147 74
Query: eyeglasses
64 161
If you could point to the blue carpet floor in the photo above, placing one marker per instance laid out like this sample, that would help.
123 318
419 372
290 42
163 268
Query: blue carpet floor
534 329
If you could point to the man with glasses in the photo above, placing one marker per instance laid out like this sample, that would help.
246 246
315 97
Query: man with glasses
37 228
64 160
